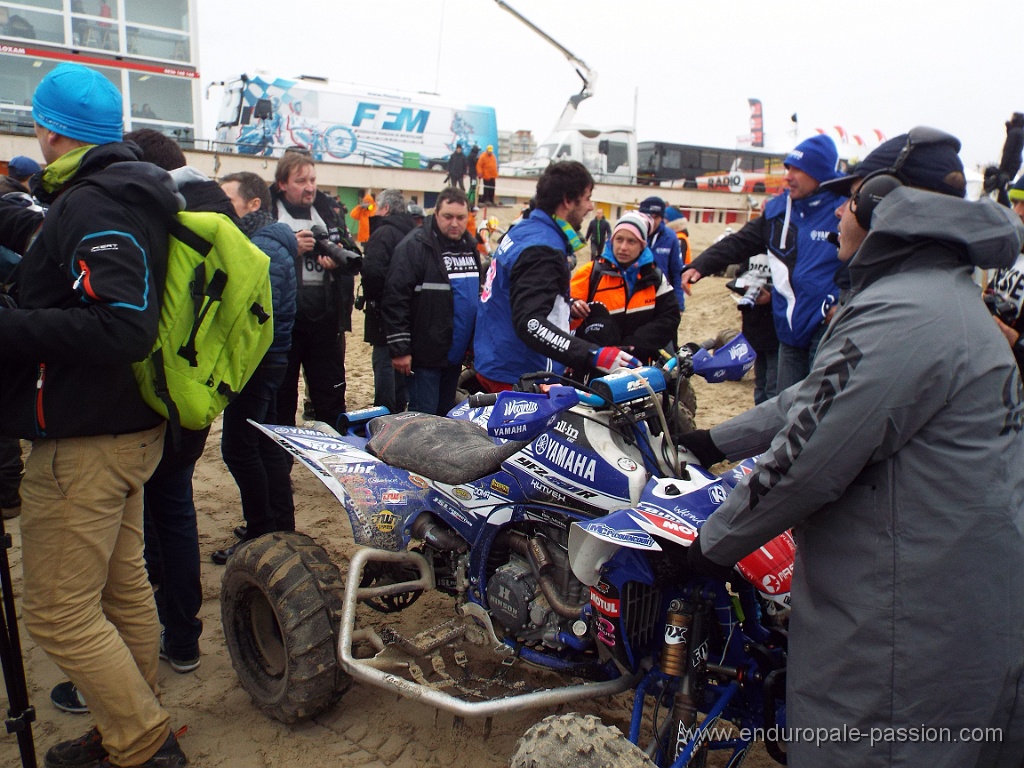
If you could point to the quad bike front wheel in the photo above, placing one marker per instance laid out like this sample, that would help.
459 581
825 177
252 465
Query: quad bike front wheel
580 741
281 601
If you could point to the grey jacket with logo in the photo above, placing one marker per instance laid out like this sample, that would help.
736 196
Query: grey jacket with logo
899 465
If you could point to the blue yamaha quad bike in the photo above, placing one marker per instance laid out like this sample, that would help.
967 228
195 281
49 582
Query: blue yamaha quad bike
556 522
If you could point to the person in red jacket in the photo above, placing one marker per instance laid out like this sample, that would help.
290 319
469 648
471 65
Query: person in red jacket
362 214
487 170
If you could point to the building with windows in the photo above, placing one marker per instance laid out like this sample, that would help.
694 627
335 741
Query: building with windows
515 145
146 48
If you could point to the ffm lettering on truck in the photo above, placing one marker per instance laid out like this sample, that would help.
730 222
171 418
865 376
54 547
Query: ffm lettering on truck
391 119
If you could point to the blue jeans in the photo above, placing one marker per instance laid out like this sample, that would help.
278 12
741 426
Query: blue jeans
262 470
766 376
432 390
172 549
795 363
388 384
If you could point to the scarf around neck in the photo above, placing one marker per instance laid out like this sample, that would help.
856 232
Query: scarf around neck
570 233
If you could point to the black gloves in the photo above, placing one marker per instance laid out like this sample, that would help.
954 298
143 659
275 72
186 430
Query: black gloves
702 566
699 443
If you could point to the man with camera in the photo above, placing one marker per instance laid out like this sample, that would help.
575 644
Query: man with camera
387 229
325 291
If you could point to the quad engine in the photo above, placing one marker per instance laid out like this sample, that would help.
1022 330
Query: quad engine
511 591
534 595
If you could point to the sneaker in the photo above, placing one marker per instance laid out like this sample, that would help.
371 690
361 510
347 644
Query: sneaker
67 698
168 756
181 666
84 752
241 531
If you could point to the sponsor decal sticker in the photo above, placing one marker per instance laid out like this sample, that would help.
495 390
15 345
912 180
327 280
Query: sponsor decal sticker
677 529
627 465
539 486
520 407
605 605
385 521
675 635
717 494
640 538
500 487
354 469
462 493
567 430
394 497
418 481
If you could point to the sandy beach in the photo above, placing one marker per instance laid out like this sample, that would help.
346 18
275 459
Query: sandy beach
367 727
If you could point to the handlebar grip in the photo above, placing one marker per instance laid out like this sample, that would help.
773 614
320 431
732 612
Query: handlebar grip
480 399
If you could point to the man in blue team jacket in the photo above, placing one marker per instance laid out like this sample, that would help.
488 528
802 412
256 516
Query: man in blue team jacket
794 231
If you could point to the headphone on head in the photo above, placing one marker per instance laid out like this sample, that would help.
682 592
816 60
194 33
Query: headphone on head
878 184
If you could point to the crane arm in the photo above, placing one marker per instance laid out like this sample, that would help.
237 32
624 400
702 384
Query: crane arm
587 75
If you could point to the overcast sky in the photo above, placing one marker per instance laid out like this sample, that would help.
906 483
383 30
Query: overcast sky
688 65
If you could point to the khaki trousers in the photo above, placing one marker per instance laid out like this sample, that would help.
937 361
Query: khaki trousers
87 600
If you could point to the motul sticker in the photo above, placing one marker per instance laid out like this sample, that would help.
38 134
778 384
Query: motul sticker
605 605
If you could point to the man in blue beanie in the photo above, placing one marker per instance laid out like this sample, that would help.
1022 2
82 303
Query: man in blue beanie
88 305
794 231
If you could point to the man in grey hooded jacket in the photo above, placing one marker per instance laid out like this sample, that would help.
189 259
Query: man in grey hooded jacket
897 465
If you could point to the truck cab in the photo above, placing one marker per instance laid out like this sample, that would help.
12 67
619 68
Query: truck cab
609 154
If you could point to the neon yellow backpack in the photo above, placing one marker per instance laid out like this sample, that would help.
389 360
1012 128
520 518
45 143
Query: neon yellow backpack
216 321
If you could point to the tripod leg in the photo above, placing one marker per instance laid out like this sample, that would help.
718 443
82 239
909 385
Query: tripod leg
21 714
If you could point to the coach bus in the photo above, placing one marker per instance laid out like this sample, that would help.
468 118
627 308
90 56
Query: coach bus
711 168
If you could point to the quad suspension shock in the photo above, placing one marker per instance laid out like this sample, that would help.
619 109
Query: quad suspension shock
684 655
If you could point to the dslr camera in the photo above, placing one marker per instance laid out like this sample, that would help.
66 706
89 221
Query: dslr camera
350 262
748 286
1001 308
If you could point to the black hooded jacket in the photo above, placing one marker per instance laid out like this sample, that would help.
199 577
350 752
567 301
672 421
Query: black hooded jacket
386 232
88 297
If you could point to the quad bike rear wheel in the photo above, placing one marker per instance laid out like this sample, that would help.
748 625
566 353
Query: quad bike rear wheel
579 741
281 601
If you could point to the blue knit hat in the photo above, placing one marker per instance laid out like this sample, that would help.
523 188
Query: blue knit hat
79 103
22 167
817 157
653 206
